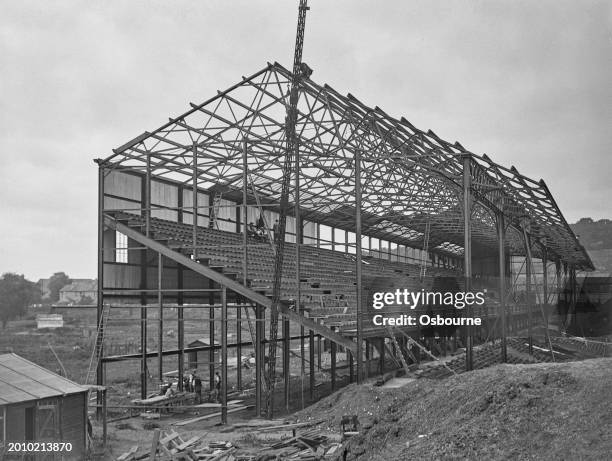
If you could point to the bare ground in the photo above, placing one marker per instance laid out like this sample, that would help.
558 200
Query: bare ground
526 412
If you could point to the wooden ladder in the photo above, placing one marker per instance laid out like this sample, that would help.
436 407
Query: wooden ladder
96 353
214 212
425 250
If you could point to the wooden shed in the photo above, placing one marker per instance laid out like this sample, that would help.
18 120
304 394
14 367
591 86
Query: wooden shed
202 356
39 405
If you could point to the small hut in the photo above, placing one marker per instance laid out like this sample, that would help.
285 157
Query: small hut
39 405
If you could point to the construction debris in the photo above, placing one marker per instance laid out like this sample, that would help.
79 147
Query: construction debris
310 445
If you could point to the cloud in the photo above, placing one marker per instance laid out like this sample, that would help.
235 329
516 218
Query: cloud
525 82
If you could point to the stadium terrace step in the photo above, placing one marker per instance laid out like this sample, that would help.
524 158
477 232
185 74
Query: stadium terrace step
327 278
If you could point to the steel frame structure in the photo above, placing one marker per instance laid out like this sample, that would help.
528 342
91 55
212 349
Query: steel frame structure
360 170
409 176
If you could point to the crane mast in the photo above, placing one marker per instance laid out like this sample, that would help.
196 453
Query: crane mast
291 156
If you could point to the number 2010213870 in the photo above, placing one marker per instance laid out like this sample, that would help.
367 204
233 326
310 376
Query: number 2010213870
32 447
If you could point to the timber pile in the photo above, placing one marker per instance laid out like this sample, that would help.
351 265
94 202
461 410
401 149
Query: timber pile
308 446
169 446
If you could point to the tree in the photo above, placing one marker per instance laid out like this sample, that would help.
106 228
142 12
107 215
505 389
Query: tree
16 294
56 282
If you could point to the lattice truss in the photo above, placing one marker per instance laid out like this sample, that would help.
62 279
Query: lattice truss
410 178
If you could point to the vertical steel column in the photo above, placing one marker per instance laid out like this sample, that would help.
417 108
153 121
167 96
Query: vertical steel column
160 337
382 356
245 259
223 355
211 340
351 366
527 243
104 419
259 359
179 301
467 254
319 351
180 326
358 268
286 361
298 272
144 274
311 354
367 359
545 279
194 201
333 365
501 237
302 357
574 295
100 289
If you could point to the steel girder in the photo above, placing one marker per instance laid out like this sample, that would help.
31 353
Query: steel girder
409 177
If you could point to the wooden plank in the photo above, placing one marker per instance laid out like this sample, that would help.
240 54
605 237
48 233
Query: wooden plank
127 455
217 405
212 415
165 440
189 442
290 426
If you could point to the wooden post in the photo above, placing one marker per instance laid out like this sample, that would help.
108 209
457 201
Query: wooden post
154 443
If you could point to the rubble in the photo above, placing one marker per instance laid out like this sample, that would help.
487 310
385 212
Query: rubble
310 445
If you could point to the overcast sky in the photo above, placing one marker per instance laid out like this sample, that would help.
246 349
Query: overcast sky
527 82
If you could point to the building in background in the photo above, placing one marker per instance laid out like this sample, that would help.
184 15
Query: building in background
79 291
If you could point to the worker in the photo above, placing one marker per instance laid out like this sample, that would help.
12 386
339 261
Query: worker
217 391
197 383
276 230
252 230
169 391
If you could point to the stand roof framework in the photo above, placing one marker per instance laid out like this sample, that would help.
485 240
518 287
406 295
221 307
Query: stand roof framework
411 179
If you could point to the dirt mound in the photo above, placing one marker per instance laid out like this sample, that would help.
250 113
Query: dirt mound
539 411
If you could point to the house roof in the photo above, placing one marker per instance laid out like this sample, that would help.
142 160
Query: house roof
81 285
22 381
201 342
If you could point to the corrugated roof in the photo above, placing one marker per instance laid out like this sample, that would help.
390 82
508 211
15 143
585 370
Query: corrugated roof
22 380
